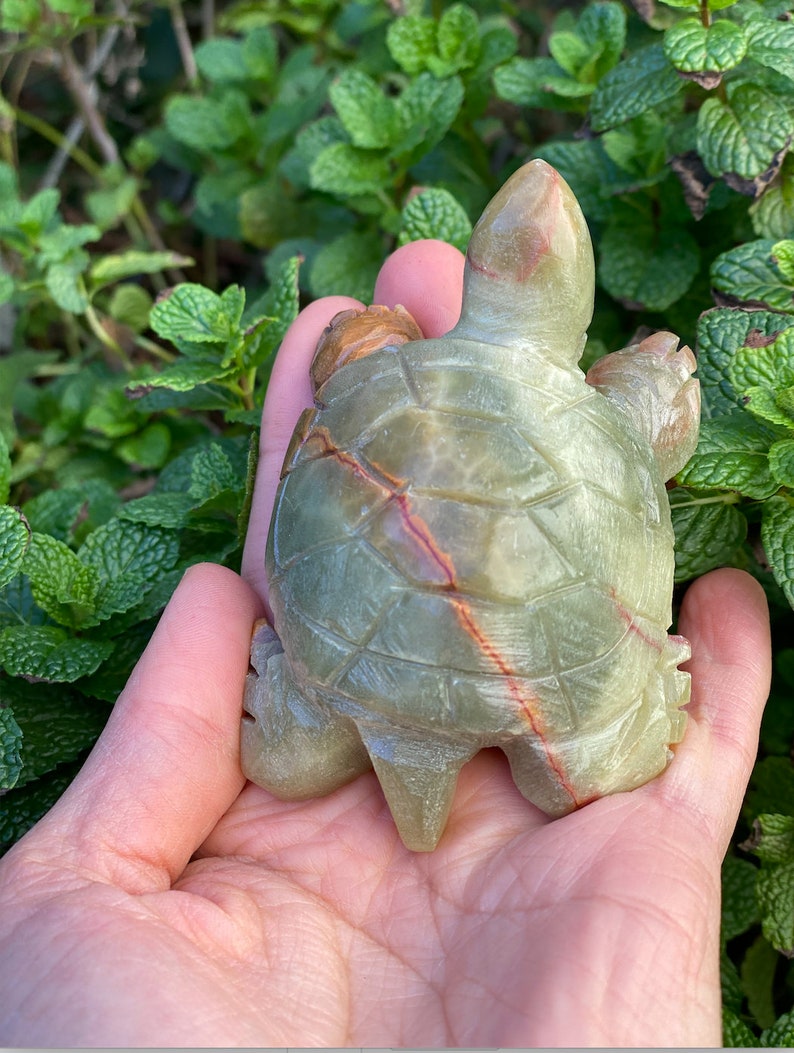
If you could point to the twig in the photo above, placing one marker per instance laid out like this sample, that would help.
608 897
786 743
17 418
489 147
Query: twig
183 42
82 94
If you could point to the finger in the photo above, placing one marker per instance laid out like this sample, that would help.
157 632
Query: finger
289 392
167 765
726 619
426 277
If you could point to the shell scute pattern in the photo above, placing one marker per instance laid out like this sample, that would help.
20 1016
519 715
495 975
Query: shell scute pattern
471 546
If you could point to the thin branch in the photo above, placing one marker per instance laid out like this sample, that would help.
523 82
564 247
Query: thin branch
81 91
184 43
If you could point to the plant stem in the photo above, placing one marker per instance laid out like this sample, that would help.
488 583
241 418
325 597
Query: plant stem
105 338
46 130
80 91
183 42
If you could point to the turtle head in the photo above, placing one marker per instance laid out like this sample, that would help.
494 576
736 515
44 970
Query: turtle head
529 278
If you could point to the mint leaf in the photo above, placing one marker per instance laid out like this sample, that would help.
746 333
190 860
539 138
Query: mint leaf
783 258
206 124
695 48
777 536
781 1034
62 586
14 538
773 838
743 135
739 907
772 214
749 274
279 309
113 268
221 59
411 41
771 44
426 109
367 114
434 213
347 266
10 749
594 45
211 473
768 364
775 892
49 653
735 1033
191 314
457 41
126 559
781 462
181 376
646 267
171 511
642 81
708 534
260 54
732 454
348 171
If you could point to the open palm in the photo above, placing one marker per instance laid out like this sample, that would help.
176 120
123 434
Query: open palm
162 901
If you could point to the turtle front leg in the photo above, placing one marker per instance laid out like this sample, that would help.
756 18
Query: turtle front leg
291 745
652 384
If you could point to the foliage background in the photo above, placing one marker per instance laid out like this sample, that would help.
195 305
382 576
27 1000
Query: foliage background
176 179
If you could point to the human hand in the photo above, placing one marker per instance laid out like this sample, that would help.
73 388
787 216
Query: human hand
162 902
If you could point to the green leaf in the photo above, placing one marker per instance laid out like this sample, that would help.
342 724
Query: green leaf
10 749
367 114
781 1034
110 204
769 405
347 266
49 653
781 462
739 907
191 314
14 538
171 511
64 284
260 54
695 48
411 41
148 448
23 806
783 258
732 454
38 213
211 473
777 536
775 891
220 59
427 109
62 586
771 44
434 213
110 269
594 45
130 305
642 81
765 364
750 275
184 375
127 559
735 1033
647 267
206 124
743 135
5 470
348 171
279 306
536 82
707 535
458 41
758 975
773 838
772 213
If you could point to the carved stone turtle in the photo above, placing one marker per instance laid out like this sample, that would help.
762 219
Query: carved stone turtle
471 545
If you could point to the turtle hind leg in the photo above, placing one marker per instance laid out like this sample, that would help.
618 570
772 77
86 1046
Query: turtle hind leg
418 773
290 744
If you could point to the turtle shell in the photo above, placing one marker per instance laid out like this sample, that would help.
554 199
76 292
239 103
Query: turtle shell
459 543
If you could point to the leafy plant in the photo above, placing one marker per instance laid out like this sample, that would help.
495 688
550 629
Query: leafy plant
160 182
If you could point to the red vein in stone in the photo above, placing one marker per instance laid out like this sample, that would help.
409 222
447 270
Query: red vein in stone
419 530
